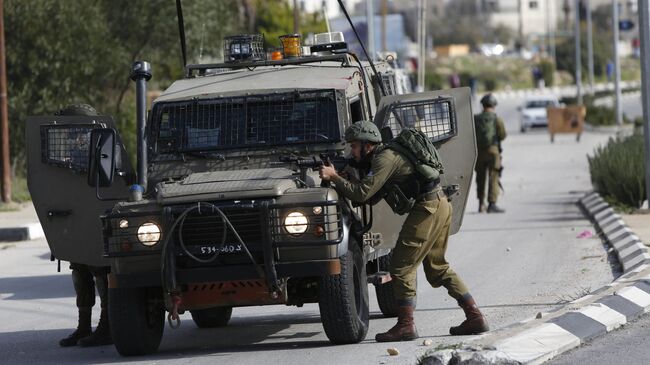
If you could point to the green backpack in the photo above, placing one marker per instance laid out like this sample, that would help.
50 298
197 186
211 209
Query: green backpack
420 151
485 125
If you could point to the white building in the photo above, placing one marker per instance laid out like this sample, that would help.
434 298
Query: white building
529 19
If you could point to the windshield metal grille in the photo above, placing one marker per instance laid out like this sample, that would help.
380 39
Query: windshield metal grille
436 118
257 120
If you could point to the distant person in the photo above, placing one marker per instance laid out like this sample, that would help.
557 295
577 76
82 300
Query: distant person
490 131
610 71
86 278
473 86
454 80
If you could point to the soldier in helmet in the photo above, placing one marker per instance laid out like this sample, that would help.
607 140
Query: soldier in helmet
424 235
86 278
490 131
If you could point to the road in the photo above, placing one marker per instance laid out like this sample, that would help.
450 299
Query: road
517 264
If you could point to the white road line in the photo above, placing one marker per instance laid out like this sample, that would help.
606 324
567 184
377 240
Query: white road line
636 296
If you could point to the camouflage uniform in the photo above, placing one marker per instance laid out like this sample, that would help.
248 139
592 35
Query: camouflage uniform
488 165
423 237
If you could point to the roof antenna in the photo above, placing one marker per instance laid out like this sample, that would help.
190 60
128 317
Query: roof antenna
181 30
372 64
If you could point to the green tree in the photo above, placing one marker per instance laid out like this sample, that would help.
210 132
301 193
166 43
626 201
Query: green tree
565 53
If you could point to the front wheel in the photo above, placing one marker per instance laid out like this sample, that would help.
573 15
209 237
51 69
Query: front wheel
385 293
212 317
137 320
343 300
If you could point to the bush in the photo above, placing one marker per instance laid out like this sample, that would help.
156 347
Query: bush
490 83
600 115
617 170
547 72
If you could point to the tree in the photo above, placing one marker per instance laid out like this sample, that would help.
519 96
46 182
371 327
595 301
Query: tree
565 52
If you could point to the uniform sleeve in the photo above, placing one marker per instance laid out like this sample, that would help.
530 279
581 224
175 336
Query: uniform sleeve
501 129
382 169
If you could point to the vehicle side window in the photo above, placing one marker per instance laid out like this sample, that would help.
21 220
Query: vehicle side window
356 111
66 145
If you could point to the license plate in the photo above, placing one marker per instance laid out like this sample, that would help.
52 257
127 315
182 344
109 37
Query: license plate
225 249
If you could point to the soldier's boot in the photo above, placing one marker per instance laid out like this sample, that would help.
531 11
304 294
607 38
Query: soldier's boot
474 323
493 208
404 330
481 207
83 329
102 334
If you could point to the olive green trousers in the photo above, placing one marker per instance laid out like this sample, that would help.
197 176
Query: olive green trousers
488 164
423 240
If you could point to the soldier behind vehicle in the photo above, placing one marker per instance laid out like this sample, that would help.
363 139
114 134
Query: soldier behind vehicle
424 235
84 277
490 131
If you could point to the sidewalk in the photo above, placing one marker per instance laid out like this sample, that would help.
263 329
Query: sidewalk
20 225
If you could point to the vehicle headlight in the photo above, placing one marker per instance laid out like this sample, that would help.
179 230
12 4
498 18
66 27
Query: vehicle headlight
296 223
149 234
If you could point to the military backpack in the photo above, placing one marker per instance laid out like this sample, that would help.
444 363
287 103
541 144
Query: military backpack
420 151
486 130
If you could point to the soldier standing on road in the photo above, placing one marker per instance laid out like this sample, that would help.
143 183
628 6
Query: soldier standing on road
423 237
85 278
490 131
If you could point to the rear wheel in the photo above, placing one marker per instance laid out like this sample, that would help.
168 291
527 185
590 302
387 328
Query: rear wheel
385 293
137 320
212 317
343 300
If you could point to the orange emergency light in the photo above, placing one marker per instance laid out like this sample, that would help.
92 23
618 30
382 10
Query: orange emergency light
291 46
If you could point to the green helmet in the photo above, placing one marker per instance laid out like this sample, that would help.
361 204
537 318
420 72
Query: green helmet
489 101
364 131
78 109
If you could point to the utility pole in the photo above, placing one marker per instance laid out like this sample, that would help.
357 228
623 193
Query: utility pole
617 64
384 13
590 46
4 119
370 20
578 71
296 17
644 33
421 43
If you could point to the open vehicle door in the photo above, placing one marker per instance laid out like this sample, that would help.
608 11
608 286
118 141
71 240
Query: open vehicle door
446 117
57 166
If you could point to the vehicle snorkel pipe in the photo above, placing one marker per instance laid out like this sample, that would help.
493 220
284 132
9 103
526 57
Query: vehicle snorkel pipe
141 73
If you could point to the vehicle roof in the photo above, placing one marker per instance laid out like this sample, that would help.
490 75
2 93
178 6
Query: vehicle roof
325 75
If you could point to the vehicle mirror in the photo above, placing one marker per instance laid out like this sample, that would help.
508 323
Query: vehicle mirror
386 134
101 161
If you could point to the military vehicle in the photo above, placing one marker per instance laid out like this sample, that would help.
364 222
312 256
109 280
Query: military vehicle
225 208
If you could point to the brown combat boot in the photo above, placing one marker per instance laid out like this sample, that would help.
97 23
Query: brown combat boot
475 322
102 334
404 330
481 207
83 329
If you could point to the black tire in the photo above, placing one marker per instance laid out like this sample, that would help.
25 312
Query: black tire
137 320
211 317
385 293
343 300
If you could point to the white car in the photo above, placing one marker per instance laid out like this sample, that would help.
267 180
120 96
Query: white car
533 111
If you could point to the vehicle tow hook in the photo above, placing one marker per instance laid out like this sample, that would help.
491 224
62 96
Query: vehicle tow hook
172 318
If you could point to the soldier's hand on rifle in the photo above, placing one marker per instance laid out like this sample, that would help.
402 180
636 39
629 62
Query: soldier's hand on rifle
327 172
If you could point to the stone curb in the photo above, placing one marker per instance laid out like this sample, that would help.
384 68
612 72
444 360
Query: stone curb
25 232
561 90
537 340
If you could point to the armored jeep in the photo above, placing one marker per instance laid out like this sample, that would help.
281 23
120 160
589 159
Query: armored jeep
225 208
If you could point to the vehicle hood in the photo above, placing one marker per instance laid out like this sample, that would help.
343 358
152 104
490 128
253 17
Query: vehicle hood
534 112
223 185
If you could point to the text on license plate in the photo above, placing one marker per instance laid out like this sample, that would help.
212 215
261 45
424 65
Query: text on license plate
221 249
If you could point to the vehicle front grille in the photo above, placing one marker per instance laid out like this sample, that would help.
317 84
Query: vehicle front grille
202 233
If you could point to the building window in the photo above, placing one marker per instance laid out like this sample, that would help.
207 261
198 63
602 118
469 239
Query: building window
533 4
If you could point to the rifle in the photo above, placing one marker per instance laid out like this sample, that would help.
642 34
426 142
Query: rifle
305 164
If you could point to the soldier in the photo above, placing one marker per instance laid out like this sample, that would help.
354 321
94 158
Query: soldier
490 131
423 237
85 278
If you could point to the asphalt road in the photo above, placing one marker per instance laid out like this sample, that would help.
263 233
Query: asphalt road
516 264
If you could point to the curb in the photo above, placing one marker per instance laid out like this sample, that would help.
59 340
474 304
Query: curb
561 90
630 250
26 232
537 340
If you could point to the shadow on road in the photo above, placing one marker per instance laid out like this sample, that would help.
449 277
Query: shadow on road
37 287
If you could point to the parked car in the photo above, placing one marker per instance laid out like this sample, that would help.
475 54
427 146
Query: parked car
533 111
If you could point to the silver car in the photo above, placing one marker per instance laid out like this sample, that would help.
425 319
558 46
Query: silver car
533 111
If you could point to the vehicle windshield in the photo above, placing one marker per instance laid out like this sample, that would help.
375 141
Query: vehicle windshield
247 121
539 104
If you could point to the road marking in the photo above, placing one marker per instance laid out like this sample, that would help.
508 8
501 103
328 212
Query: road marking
636 296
